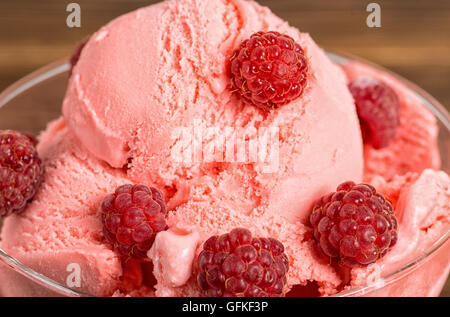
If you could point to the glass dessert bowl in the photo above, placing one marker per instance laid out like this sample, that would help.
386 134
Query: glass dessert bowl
33 101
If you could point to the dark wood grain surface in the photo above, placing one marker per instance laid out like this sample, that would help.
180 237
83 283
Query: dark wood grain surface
413 41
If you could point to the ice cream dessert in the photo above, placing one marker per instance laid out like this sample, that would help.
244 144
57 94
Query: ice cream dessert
148 79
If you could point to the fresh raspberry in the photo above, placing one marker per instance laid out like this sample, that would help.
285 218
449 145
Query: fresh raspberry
20 171
235 264
355 224
76 54
132 216
378 110
269 70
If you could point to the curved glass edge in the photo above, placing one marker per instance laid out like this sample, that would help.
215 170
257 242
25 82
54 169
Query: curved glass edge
397 275
62 66
444 117
33 79
7 95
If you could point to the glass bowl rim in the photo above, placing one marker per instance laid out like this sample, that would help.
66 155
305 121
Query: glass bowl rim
62 66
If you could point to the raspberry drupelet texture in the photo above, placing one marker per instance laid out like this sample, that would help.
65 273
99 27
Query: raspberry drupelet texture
131 217
269 70
378 110
235 264
354 225
20 171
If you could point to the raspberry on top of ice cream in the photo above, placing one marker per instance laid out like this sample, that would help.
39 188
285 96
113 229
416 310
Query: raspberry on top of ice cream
269 70
236 264
355 224
378 110
131 218
20 171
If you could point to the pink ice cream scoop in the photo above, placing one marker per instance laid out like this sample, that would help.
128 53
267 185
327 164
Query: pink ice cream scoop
163 69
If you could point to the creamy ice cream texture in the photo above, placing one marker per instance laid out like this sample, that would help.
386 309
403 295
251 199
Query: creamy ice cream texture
139 94
162 67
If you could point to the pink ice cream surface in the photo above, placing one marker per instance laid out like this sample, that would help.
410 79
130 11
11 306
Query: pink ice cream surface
142 77
415 145
161 48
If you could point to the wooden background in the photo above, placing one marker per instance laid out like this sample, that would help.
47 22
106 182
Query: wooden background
413 41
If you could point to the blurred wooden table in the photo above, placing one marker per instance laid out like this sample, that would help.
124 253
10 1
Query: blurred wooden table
413 41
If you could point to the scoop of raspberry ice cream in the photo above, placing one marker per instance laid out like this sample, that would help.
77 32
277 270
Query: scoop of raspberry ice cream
315 143
62 225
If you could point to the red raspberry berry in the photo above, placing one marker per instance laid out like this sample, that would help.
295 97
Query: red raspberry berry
378 110
269 70
235 264
20 171
76 54
355 224
132 216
